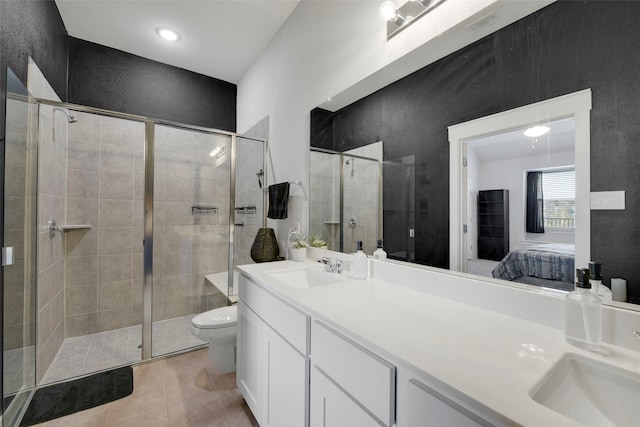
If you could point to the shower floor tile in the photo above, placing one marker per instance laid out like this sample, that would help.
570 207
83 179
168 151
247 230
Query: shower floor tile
90 353
18 368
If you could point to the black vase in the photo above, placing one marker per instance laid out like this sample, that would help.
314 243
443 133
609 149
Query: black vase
265 246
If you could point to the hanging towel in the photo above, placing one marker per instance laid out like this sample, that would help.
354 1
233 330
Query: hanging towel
278 200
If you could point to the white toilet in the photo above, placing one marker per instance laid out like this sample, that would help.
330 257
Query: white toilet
219 328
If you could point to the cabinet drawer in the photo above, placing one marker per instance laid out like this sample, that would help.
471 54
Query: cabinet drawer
291 323
364 376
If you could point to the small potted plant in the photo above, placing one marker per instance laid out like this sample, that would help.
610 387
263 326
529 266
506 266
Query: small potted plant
317 242
299 249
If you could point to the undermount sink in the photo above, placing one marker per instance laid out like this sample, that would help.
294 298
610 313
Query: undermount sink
306 278
591 392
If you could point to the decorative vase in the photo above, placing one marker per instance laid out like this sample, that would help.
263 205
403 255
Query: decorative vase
298 254
265 246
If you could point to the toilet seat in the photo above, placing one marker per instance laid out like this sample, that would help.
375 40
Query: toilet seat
217 318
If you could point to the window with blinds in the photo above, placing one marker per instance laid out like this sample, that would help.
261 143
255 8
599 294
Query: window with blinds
559 195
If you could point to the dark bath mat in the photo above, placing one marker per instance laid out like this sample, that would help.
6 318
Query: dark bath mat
58 400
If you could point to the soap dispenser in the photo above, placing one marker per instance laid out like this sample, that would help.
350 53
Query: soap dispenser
379 253
583 314
360 263
597 288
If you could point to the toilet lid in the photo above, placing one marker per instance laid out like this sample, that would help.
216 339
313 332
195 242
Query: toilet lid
222 317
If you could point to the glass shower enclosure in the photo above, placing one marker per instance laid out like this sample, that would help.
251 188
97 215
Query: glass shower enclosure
139 223
346 197
19 251
355 195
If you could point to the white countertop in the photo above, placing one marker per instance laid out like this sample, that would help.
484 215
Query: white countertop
492 358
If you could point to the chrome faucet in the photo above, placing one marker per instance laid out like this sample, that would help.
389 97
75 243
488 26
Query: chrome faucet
332 265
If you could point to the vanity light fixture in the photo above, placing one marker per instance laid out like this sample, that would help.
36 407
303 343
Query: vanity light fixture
536 131
398 18
168 34
389 13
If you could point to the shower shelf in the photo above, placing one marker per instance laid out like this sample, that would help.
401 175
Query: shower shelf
54 227
74 227
246 210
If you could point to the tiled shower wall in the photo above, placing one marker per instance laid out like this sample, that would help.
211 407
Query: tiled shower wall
19 227
103 282
105 188
360 197
52 172
52 164
189 245
324 200
249 193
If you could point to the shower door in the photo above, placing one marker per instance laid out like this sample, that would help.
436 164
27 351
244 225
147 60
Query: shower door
324 200
399 208
19 252
192 181
249 201
361 203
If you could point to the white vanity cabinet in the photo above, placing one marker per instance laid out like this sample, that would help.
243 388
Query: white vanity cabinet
272 363
424 405
350 385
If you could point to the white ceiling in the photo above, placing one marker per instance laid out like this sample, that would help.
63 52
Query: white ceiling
220 38
514 144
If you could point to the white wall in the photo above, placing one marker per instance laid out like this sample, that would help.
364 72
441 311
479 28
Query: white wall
509 174
327 46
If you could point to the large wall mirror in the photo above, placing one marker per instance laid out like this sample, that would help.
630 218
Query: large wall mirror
565 49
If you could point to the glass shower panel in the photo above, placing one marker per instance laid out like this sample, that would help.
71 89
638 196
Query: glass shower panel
399 208
361 199
20 234
249 200
190 231
324 202
96 206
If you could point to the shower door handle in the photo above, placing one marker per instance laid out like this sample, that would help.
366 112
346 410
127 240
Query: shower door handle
8 255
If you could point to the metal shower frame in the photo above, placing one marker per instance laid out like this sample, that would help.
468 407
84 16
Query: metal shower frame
149 141
341 201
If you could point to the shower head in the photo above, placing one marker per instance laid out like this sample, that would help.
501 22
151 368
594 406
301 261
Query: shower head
351 162
70 117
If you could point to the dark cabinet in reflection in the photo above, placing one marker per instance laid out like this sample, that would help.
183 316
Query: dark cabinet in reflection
493 224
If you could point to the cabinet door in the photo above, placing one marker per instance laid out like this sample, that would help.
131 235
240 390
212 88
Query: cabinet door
286 384
428 408
331 407
249 372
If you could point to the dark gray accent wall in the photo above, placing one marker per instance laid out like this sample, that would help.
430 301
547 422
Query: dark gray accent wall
32 29
565 47
111 79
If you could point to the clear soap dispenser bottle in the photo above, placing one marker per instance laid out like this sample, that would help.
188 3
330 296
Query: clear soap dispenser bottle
597 288
379 253
360 263
584 314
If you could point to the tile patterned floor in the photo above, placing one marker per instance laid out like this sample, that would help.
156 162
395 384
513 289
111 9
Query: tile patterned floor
90 353
172 392
18 369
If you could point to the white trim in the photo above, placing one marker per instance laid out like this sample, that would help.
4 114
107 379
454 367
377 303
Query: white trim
576 105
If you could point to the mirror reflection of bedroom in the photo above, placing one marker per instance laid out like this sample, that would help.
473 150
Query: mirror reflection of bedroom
521 205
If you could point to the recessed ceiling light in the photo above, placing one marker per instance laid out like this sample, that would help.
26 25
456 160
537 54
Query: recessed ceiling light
536 131
168 34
